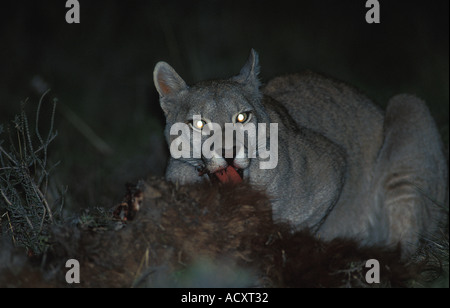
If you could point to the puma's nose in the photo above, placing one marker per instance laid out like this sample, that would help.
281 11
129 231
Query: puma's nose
227 158
230 161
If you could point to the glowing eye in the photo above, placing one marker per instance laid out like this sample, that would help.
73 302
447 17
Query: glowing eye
199 124
242 117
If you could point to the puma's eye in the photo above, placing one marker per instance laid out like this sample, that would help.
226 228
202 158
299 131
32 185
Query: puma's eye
199 124
242 117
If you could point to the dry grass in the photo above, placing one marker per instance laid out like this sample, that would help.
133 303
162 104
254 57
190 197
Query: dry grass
28 205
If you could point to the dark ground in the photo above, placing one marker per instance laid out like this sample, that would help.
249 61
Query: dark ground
101 69
207 236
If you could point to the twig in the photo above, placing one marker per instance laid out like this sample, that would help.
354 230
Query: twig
43 201
143 264
10 227
86 131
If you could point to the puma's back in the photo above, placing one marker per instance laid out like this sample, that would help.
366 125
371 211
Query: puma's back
332 108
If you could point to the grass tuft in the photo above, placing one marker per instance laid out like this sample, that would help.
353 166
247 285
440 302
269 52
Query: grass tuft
28 208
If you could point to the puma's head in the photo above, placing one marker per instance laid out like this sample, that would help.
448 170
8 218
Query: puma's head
207 106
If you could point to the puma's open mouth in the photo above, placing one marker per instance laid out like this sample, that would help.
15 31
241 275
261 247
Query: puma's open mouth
230 175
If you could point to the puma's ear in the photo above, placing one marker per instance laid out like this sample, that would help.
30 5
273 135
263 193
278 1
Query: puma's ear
249 73
166 80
